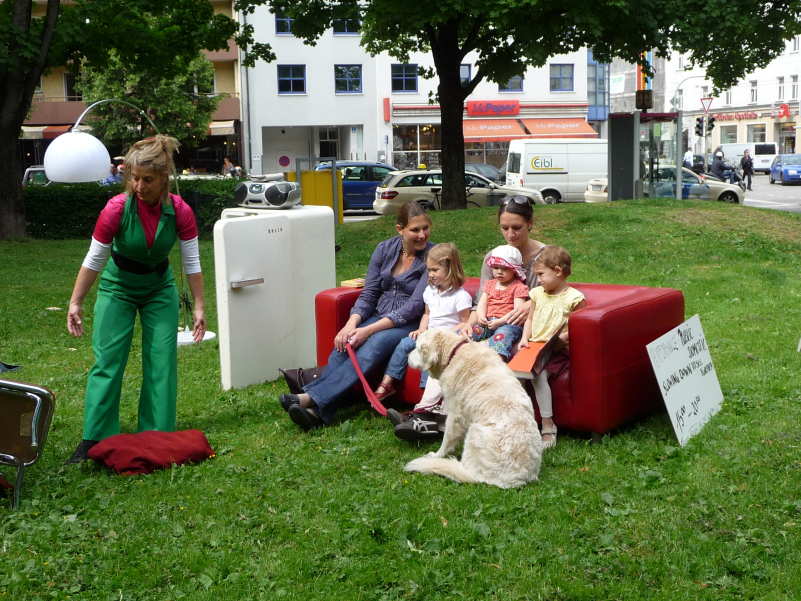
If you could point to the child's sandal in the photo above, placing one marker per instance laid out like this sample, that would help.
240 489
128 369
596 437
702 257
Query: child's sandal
389 390
547 444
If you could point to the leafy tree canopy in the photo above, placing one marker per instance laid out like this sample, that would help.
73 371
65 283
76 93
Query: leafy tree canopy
179 106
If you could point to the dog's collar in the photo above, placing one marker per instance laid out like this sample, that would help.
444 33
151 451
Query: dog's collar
456 348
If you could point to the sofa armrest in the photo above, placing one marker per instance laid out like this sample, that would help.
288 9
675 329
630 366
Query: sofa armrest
611 378
332 311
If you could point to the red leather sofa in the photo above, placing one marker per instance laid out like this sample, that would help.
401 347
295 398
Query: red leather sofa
610 380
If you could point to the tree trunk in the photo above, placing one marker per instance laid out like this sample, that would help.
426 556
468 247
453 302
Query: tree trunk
12 204
447 55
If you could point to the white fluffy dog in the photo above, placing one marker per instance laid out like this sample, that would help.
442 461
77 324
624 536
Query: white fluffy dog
486 406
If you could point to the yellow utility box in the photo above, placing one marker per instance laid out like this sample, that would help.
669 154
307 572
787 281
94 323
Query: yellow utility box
317 189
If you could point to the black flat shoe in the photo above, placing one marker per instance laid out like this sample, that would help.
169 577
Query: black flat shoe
304 418
417 429
81 454
287 400
395 418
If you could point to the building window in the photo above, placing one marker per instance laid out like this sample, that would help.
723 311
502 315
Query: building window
515 84
346 26
794 87
796 43
291 79
727 97
753 94
680 100
70 92
561 78
38 91
681 62
404 78
283 24
780 88
756 133
464 74
728 134
347 79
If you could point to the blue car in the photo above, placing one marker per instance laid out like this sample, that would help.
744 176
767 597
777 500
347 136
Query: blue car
359 181
786 168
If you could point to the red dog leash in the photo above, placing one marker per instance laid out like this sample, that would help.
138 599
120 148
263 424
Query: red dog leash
367 390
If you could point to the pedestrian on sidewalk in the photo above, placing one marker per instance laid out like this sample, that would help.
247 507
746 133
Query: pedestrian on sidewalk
747 163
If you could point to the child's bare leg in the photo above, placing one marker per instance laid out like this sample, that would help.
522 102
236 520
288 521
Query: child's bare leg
542 390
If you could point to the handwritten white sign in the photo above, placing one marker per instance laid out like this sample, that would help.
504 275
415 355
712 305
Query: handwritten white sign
687 378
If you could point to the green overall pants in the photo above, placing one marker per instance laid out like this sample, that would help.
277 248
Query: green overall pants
120 295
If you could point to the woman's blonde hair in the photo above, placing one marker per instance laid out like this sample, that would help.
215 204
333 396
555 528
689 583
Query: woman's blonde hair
447 255
555 256
154 154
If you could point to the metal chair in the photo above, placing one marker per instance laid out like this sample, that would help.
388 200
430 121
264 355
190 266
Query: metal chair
25 415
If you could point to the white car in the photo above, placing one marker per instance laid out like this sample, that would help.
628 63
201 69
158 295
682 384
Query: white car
425 187
693 186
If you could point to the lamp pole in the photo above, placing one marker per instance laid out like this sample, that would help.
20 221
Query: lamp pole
133 106
679 164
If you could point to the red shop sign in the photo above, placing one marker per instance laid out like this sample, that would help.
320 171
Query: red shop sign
492 108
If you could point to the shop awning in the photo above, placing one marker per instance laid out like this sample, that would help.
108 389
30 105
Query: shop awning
221 128
559 128
54 131
503 130
32 133
492 130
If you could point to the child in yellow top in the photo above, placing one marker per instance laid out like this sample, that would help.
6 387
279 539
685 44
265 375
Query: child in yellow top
552 302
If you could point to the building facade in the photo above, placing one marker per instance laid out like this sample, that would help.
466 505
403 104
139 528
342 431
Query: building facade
762 107
334 100
57 105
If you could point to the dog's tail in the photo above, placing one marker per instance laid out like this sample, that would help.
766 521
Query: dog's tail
450 468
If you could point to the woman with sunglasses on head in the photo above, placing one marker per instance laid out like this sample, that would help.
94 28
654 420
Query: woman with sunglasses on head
516 218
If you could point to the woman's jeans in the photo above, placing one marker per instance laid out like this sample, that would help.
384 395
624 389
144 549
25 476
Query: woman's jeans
340 376
399 361
501 340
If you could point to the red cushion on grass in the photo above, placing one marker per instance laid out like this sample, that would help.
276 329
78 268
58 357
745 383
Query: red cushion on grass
148 451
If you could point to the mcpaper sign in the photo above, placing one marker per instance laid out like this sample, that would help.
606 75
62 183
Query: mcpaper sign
687 378
482 108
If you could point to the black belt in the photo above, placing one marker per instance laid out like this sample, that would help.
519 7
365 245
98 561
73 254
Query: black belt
136 267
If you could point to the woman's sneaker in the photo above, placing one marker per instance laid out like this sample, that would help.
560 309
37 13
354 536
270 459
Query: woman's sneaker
417 429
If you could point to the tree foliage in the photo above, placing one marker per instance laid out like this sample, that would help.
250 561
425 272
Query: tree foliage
152 36
729 37
179 106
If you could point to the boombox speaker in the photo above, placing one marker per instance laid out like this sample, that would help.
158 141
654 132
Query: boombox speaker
267 195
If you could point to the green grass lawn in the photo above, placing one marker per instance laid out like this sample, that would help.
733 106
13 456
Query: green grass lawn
331 515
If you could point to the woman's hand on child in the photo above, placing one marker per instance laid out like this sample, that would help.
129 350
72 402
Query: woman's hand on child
517 317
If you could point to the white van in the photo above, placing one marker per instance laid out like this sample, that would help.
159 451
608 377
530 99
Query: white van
559 168
763 153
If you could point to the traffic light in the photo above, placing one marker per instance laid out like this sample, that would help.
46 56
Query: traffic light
710 124
699 127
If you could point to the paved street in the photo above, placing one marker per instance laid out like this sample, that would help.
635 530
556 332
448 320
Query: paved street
359 216
782 198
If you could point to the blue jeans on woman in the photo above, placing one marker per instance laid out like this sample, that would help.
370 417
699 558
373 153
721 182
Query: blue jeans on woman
399 361
501 340
340 376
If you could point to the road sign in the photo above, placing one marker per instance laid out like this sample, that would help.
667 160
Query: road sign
706 103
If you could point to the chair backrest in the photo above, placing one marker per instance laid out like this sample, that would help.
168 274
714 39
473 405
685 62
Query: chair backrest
25 415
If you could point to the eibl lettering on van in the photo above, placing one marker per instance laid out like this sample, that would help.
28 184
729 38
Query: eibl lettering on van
545 163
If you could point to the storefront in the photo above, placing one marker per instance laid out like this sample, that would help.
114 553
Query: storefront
486 138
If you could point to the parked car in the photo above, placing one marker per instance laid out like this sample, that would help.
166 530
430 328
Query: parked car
596 190
489 171
698 164
786 168
425 186
693 186
359 181
35 176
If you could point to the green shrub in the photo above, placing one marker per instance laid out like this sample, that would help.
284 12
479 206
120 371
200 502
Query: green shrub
65 211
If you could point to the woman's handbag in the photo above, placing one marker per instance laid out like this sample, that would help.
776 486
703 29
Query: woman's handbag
296 379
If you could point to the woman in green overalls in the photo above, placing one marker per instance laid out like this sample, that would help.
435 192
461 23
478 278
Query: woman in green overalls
139 229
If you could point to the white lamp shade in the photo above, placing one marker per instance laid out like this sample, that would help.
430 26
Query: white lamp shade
77 157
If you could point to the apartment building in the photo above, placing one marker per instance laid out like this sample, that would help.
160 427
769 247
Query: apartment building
762 107
334 100
57 105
